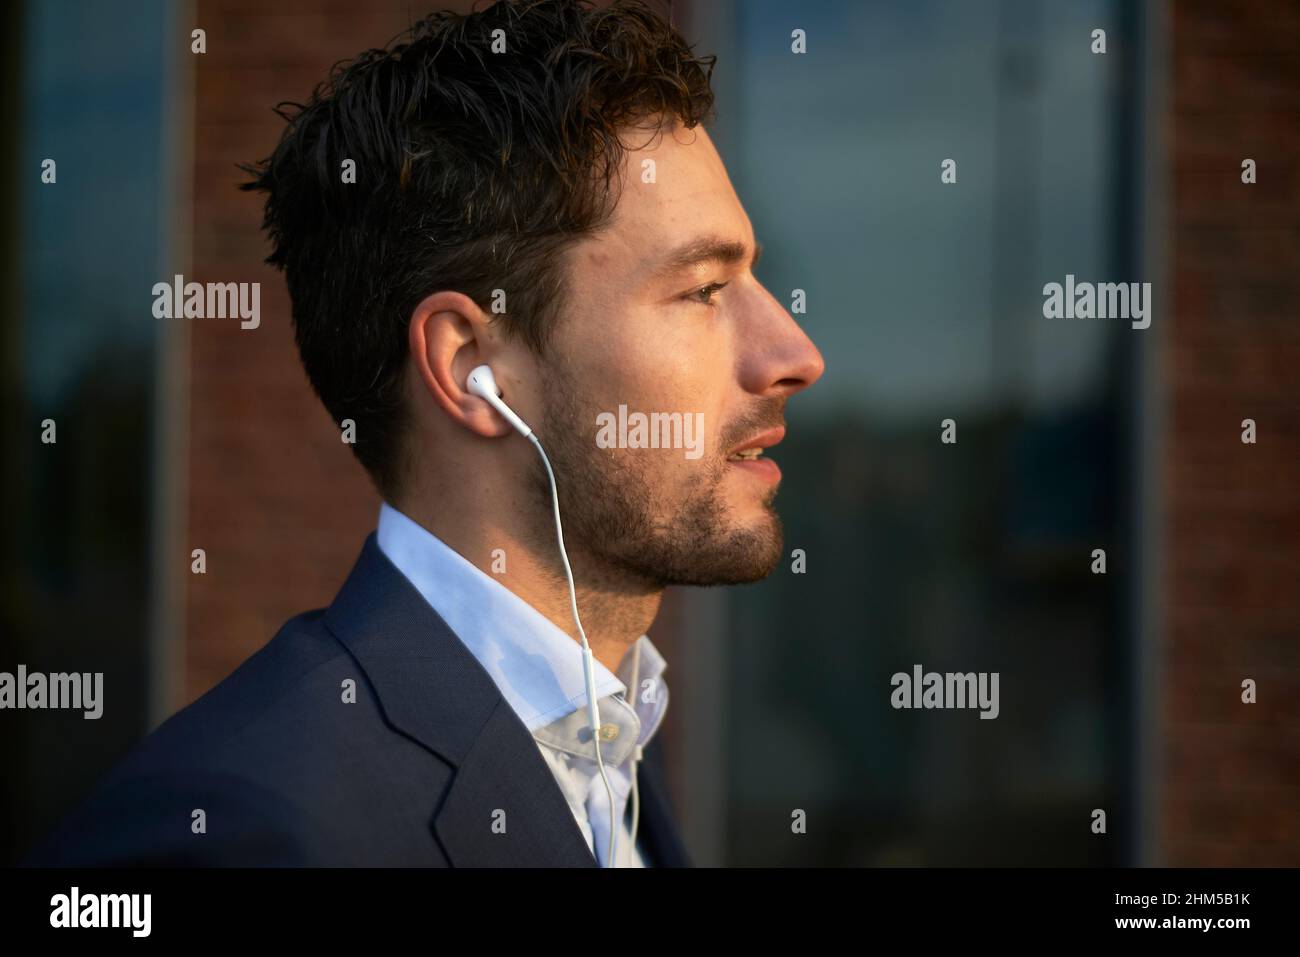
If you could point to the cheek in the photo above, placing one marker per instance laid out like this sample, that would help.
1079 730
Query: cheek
665 363
654 379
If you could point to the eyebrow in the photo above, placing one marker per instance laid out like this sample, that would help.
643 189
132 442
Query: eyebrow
706 249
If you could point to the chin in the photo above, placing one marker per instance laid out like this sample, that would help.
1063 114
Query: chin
762 561
750 553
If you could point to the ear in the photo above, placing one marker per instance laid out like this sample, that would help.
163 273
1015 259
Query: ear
448 336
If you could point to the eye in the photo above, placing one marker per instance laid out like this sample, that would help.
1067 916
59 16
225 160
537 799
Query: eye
704 295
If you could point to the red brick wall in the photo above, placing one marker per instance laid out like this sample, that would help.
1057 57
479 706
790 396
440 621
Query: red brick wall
1232 771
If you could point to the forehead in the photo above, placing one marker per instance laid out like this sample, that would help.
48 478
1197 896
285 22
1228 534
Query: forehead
675 187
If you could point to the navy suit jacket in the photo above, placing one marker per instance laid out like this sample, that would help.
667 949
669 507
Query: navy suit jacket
414 773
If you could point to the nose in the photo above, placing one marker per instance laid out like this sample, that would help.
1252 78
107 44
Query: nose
784 359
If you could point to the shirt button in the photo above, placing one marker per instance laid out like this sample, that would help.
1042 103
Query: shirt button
608 732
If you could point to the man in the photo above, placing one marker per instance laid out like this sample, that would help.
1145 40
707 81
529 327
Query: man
528 188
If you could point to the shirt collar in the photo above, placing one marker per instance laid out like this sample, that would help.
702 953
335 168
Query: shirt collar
536 665
625 725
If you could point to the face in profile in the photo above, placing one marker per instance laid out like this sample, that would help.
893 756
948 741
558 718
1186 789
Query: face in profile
651 326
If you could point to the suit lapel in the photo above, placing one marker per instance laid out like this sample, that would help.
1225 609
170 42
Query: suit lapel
503 806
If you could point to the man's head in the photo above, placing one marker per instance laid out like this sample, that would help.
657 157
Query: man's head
534 189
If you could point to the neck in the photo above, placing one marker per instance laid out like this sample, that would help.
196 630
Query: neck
615 609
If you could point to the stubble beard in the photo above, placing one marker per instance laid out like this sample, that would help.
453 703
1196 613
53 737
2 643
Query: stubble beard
622 527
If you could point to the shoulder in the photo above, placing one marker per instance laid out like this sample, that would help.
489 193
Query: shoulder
252 772
302 688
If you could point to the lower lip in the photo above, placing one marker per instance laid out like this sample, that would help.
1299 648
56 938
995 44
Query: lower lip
761 467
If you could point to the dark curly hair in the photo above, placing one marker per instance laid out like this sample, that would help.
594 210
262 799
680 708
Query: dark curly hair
475 170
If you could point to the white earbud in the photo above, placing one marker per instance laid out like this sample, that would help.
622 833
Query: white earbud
482 383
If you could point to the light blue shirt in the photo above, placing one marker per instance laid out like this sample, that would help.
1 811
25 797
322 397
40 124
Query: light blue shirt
538 669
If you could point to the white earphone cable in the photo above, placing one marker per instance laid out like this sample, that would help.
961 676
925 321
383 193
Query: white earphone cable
636 751
593 711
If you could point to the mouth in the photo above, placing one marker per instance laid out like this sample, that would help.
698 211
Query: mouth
749 455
